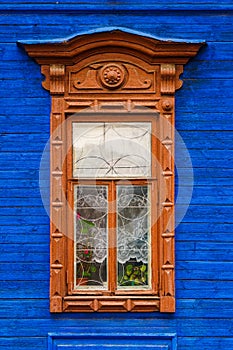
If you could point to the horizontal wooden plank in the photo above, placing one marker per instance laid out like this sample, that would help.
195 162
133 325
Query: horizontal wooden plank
200 327
35 253
21 202
26 229
204 289
24 271
206 214
206 228
197 121
204 177
211 194
15 220
105 6
30 308
209 158
25 238
20 183
204 270
164 17
20 193
204 342
23 343
206 308
196 252
163 27
18 174
195 327
201 139
22 211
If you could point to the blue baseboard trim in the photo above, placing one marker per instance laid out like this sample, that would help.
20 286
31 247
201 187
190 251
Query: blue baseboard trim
112 339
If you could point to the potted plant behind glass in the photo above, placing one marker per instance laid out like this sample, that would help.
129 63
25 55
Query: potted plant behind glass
84 253
134 274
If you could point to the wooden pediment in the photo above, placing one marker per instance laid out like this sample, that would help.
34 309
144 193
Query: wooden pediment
72 50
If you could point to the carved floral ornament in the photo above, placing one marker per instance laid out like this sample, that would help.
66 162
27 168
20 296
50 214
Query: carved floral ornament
120 72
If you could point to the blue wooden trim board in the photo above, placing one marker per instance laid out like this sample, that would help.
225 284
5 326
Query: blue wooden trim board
113 340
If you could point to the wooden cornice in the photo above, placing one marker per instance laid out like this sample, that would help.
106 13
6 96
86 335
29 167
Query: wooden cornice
73 50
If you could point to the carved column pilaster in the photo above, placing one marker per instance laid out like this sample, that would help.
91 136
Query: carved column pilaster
168 87
57 205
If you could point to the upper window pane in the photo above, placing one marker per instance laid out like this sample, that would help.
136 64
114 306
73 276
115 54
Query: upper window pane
111 150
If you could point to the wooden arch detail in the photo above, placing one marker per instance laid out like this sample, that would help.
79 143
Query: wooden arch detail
121 72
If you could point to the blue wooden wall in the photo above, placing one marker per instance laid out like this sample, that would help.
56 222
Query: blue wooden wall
204 106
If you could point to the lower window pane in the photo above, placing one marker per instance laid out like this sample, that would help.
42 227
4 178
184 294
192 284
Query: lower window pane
133 237
91 223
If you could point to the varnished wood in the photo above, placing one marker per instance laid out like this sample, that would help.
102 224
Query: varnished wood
111 304
78 74
75 50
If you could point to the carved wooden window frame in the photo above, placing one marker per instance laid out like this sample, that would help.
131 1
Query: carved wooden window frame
76 73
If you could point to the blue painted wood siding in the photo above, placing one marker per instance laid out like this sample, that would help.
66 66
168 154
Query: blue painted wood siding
204 106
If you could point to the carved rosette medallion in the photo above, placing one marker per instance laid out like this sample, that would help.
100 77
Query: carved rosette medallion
112 76
167 105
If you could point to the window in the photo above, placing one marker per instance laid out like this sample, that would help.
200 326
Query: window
113 193
112 169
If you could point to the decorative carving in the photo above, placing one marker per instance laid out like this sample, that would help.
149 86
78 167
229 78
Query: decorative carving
112 76
57 261
167 105
87 79
111 304
137 80
57 76
168 82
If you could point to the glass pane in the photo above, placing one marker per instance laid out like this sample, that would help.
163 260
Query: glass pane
111 150
91 222
133 237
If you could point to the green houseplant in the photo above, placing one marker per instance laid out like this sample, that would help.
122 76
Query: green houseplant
84 252
134 275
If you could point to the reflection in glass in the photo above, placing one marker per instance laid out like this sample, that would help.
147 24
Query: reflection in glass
91 222
133 236
111 149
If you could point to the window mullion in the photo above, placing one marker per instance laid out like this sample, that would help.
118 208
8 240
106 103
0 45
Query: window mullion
112 238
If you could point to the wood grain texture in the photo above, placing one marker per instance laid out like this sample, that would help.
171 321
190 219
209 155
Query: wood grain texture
104 5
204 111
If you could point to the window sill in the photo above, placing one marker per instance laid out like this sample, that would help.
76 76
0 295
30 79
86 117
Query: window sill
111 304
